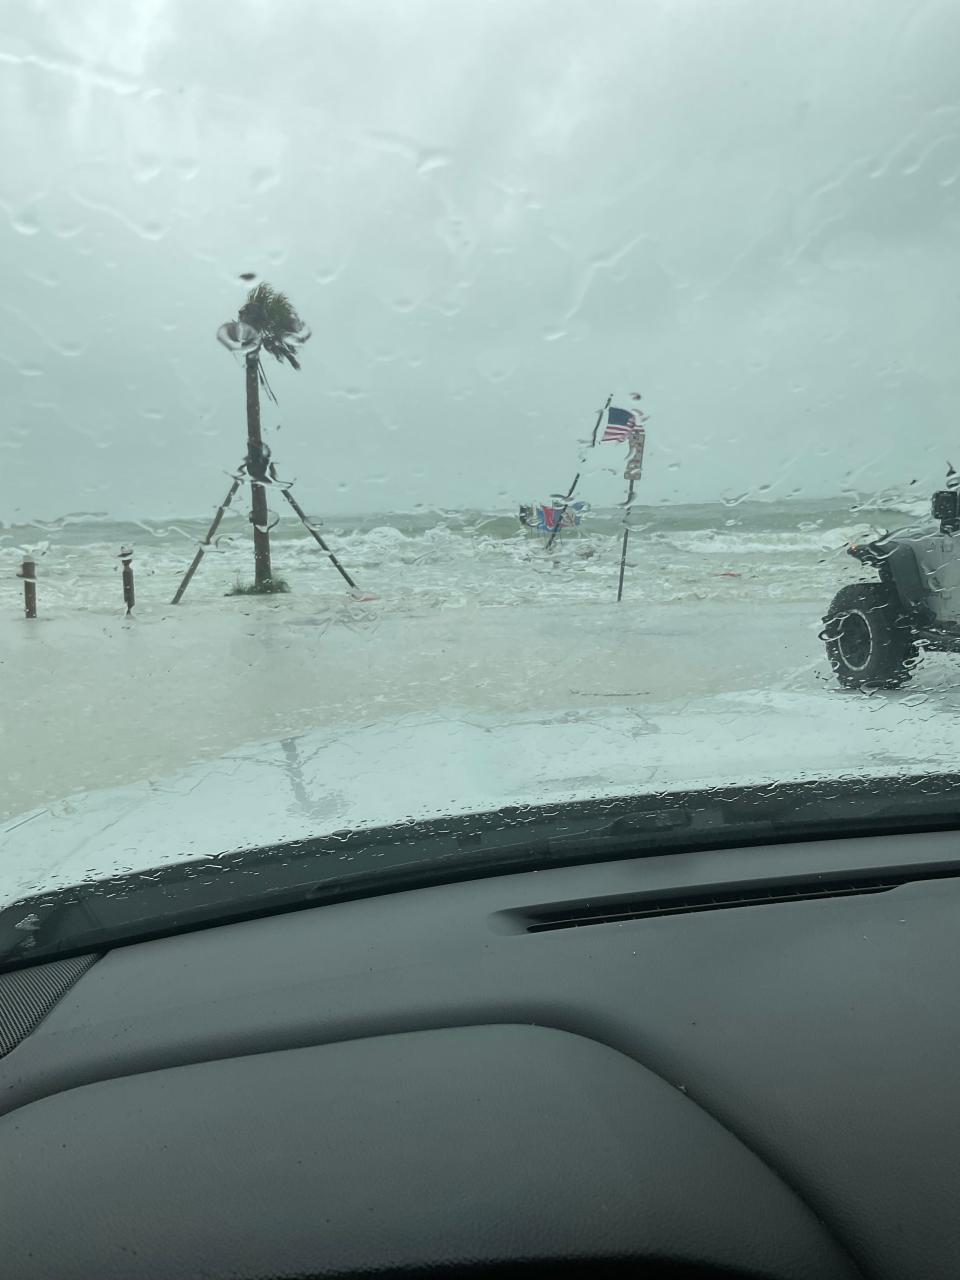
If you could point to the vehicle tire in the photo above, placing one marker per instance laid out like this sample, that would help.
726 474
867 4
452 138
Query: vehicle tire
870 643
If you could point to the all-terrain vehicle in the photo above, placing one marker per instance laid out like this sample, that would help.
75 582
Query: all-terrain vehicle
874 630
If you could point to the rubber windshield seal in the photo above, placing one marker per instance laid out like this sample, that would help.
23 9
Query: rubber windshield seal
243 884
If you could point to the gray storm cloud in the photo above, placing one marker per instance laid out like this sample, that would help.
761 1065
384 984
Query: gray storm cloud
492 214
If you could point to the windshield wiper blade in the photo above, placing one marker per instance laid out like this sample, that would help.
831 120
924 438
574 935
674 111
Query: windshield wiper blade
202 892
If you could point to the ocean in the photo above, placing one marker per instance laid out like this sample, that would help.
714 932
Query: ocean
746 551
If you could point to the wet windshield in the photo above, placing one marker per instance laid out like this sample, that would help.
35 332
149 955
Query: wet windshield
424 409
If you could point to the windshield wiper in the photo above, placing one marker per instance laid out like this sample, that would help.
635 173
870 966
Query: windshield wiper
201 892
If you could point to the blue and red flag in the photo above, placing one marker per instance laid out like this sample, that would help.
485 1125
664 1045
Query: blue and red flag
546 517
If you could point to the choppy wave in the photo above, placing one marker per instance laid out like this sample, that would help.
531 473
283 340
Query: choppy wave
735 517
455 559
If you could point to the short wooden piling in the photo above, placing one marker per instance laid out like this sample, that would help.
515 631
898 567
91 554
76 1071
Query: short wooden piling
126 559
28 573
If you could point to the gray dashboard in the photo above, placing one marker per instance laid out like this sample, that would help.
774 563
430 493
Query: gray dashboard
419 1083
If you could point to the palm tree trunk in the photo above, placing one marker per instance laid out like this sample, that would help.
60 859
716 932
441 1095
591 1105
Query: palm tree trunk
258 499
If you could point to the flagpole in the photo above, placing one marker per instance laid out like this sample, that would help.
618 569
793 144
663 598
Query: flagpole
632 473
576 479
626 535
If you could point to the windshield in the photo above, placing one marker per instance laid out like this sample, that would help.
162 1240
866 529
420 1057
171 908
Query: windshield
450 407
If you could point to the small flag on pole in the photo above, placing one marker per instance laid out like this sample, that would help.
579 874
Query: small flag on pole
621 423
634 467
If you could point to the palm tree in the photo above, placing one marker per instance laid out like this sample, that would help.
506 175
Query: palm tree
267 321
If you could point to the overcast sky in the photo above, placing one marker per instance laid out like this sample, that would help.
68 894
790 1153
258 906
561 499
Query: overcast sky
492 213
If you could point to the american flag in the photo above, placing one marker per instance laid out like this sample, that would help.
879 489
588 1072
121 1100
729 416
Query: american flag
621 424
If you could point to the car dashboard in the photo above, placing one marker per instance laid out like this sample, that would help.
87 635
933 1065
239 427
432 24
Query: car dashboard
735 1062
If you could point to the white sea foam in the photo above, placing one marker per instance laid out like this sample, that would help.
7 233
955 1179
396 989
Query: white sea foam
441 565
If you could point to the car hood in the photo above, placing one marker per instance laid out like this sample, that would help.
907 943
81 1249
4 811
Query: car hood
420 767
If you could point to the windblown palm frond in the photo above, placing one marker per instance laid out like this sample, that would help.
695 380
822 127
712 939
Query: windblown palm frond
271 313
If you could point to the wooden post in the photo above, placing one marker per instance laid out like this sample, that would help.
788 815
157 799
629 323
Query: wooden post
195 562
28 573
258 497
323 546
126 559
